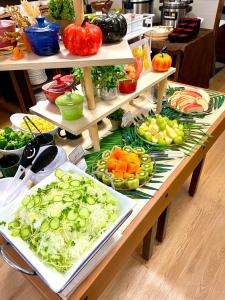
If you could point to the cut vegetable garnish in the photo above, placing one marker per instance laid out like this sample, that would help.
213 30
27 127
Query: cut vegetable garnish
62 220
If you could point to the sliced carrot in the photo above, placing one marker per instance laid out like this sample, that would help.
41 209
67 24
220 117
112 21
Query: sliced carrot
127 175
111 164
132 168
121 166
117 174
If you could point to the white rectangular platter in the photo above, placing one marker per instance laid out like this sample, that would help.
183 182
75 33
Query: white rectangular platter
55 280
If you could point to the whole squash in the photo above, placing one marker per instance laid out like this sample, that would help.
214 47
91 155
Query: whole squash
113 26
82 38
161 62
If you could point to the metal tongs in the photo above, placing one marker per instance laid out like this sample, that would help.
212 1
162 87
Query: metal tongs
167 154
29 154
27 120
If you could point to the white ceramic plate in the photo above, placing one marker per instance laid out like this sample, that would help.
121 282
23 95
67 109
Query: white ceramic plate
55 280
204 95
17 119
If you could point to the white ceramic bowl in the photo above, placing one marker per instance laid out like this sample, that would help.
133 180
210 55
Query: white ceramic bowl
17 119
16 151
2 10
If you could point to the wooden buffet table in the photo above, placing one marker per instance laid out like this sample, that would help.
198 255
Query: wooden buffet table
146 215
194 61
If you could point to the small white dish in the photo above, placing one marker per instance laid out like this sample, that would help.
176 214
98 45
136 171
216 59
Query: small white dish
17 119
2 10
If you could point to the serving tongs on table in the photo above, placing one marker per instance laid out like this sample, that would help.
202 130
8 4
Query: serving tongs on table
194 120
167 154
42 160
27 120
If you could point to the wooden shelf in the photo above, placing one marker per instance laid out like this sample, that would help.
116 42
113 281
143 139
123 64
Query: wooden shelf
111 54
103 108
137 33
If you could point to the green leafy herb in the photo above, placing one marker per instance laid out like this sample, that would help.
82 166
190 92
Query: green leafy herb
11 140
61 10
117 115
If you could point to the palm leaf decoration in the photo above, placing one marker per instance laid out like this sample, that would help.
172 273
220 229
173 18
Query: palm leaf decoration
195 135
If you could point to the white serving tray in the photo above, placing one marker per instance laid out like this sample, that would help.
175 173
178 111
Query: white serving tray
55 280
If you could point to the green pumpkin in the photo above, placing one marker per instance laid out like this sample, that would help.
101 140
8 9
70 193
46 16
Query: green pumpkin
113 27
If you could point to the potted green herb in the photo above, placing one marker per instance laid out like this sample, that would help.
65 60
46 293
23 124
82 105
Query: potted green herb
61 12
107 80
116 118
78 76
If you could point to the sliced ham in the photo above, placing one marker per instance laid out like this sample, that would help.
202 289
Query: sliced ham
189 108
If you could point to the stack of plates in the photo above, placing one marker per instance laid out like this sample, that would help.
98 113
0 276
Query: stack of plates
40 96
37 76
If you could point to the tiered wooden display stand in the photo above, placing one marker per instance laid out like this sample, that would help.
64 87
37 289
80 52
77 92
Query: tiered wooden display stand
96 109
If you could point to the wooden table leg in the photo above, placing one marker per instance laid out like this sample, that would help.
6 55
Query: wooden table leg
162 85
93 132
195 178
178 64
162 224
89 88
148 243
23 89
18 92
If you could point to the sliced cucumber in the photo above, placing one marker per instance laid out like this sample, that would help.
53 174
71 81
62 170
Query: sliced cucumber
13 224
75 183
68 199
58 198
80 222
72 215
54 223
26 200
56 212
76 195
65 177
30 204
44 226
90 200
25 233
84 213
59 173
36 200
16 232
64 185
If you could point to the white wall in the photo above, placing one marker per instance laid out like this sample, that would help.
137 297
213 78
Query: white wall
117 3
207 10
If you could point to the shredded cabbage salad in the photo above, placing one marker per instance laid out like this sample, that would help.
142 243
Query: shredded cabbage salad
62 220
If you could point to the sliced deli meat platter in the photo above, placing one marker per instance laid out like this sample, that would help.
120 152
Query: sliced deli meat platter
29 221
190 101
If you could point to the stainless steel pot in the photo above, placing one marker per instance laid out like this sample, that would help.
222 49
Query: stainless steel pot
137 6
173 11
